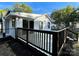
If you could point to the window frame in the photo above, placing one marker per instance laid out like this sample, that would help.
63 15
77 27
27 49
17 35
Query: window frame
40 25
13 23
49 25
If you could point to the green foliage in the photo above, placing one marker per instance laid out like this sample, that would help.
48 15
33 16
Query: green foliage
22 8
62 15
2 12
75 15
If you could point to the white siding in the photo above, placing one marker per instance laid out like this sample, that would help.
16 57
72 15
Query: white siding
11 29
45 21
46 25
36 25
3 25
19 22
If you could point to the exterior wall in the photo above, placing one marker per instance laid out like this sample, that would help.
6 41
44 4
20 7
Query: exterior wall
36 25
46 24
6 26
3 20
11 30
19 23
45 21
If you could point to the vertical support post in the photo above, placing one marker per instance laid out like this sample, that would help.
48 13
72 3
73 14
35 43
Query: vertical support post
77 37
28 25
3 35
3 27
55 39
65 34
27 36
16 33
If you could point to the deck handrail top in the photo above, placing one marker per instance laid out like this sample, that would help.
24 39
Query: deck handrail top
44 30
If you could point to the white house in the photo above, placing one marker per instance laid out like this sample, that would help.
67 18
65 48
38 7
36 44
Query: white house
25 20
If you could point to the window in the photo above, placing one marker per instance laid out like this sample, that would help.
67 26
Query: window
48 24
13 22
31 24
25 24
41 25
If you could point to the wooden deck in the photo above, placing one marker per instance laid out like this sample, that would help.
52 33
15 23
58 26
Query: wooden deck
10 47
39 39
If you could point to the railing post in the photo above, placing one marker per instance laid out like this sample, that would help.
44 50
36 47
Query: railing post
4 35
16 33
77 36
55 39
27 36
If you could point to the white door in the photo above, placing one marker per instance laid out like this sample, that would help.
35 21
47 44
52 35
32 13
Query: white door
12 28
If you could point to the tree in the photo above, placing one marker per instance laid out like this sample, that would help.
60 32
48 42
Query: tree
2 14
20 7
62 15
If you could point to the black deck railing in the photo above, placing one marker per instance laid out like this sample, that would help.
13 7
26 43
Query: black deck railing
72 35
48 41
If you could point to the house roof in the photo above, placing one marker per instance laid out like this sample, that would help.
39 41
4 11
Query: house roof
27 15
52 20
22 14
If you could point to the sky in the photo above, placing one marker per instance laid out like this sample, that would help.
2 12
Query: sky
41 7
